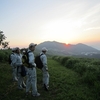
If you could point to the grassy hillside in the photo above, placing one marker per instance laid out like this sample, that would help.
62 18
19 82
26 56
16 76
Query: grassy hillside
65 84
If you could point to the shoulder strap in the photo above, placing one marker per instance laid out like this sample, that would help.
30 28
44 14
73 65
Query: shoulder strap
41 54
28 52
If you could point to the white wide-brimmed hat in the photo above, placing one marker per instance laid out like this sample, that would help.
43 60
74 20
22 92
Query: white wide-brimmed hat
44 49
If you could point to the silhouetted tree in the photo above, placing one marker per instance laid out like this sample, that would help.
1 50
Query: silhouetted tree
3 43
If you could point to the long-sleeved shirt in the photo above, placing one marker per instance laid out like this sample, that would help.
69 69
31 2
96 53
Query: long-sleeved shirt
31 58
43 58
13 59
18 59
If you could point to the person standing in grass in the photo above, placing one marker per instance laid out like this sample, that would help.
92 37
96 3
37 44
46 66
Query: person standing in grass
31 72
43 58
14 68
21 83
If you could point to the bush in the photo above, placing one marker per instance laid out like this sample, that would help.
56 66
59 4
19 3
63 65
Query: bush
80 68
64 60
91 75
71 62
95 62
4 54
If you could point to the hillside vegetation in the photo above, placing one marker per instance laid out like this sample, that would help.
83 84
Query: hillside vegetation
88 71
63 49
70 79
4 54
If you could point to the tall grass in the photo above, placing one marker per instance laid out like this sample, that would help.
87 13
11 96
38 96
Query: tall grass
78 80
87 69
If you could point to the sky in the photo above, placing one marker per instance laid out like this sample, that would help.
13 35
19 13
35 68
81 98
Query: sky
35 21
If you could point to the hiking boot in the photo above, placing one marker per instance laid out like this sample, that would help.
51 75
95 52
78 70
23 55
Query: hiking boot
36 95
46 87
23 85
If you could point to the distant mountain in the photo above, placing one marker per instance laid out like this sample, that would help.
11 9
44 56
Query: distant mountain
57 48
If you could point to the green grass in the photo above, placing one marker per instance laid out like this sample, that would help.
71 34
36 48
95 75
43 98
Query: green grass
65 84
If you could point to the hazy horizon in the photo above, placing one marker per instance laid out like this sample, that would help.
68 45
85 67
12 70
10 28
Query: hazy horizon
70 44
65 21
26 46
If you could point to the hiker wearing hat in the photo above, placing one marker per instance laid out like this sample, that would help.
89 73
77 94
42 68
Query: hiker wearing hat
43 58
21 83
31 72
12 63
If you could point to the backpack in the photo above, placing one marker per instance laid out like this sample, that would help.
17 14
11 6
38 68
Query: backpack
23 71
25 59
38 62
9 58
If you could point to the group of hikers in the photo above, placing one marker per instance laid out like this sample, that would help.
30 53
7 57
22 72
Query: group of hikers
31 76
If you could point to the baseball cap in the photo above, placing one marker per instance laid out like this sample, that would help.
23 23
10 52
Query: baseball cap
32 44
17 48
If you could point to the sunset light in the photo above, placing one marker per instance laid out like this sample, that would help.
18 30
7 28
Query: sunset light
65 21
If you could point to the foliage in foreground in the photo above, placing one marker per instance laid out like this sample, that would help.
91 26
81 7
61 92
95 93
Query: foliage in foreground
4 55
88 69
65 84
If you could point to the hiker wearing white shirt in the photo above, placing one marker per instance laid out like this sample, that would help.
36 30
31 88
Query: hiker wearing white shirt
14 68
43 58
21 83
31 72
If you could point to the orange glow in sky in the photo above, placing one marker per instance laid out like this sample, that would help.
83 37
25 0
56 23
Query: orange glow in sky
65 21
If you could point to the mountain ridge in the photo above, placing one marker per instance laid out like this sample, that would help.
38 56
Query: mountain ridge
58 48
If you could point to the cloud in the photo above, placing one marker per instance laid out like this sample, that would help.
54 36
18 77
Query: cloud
92 28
